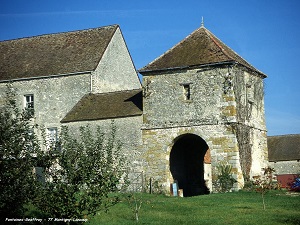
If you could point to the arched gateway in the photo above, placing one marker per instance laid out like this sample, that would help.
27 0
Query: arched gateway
187 164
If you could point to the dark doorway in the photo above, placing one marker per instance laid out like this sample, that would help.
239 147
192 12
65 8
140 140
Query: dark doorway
186 164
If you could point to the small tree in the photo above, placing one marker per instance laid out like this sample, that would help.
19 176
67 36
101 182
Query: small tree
135 205
85 171
18 151
264 183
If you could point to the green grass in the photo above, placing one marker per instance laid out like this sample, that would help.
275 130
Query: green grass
231 208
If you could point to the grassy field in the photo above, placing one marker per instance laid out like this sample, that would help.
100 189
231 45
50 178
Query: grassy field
231 208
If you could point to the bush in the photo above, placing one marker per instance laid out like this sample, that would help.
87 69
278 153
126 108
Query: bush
83 174
225 180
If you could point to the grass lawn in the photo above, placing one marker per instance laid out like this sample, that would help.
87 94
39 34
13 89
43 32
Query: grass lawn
214 209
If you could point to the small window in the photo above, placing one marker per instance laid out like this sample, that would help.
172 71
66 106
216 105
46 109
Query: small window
29 103
187 91
250 94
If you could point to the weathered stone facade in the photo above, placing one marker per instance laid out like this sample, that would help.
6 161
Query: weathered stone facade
208 113
54 97
115 71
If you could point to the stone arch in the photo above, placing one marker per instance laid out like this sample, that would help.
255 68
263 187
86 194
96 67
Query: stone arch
187 164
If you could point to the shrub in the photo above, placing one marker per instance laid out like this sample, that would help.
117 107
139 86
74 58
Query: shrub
225 181
86 170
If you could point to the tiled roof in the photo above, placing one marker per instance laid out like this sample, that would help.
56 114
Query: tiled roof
54 54
284 147
106 106
199 48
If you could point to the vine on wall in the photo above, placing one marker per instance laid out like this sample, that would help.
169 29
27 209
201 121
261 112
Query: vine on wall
248 91
245 147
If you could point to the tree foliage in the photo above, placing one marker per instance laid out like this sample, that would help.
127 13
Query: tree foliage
81 171
18 151
86 170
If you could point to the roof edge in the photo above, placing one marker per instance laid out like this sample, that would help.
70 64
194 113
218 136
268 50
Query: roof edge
190 67
63 32
110 38
64 120
96 119
49 76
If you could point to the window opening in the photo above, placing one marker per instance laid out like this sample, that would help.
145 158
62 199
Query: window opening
187 92
51 137
29 103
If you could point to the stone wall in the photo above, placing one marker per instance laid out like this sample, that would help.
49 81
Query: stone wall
219 97
115 71
220 139
286 167
250 127
128 132
165 104
54 97
249 95
207 114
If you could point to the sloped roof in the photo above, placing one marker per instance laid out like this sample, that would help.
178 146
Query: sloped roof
106 106
199 48
284 147
54 54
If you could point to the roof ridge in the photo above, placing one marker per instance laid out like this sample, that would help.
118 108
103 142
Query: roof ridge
201 47
244 61
58 33
212 37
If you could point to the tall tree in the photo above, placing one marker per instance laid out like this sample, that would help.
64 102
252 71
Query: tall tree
18 151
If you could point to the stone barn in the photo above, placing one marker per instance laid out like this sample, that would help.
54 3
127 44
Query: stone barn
284 157
203 106
200 105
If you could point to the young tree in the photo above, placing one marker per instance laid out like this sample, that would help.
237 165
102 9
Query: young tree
18 150
265 183
87 169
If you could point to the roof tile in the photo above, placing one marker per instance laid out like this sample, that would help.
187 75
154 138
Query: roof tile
199 48
284 147
106 106
54 54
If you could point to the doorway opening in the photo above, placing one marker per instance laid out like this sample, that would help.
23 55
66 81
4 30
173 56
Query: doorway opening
187 164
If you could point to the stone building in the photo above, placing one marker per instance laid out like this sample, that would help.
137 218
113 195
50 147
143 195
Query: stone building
284 157
201 104
76 78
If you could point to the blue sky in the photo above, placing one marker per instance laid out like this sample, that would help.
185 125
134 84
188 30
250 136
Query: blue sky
264 32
